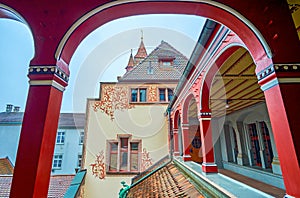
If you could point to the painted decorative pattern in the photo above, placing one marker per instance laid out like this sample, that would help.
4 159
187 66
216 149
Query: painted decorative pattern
152 94
146 160
114 98
98 168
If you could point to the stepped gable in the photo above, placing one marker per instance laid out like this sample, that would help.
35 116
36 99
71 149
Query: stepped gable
154 61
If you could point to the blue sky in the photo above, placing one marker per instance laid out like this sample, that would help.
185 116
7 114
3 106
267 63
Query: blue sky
102 56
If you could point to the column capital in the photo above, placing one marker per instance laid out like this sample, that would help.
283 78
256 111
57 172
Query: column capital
276 74
52 75
204 115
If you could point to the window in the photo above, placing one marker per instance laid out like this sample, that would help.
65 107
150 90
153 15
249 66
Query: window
81 138
165 95
60 138
150 69
139 95
162 94
79 160
170 94
142 95
134 95
124 155
57 161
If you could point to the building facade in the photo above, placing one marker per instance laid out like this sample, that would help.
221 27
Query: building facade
126 129
68 144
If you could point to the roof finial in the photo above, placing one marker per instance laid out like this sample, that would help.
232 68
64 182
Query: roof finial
142 37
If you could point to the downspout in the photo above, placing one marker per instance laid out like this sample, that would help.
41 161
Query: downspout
207 30
171 133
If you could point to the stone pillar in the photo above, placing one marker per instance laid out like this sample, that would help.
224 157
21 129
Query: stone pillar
186 142
37 140
208 165
281 86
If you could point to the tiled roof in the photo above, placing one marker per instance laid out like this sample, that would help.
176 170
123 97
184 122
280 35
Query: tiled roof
65 119
160 73
165 182
58 185
6 167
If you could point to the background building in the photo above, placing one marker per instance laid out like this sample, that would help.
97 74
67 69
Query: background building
126 129
68 148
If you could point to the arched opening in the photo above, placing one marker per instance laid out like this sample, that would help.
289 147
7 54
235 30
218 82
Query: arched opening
194 132
239 109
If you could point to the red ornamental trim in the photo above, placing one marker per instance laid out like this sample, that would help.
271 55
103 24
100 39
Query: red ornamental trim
114 98
98 168
146 160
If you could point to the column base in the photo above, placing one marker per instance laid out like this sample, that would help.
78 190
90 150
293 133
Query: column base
187 158
176 153
209 167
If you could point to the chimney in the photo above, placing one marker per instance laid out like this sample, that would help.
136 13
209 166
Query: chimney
9 108
16 109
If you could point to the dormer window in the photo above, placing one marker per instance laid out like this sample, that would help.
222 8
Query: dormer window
166 61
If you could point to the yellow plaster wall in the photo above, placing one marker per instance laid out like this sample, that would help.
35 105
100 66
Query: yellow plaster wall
146 122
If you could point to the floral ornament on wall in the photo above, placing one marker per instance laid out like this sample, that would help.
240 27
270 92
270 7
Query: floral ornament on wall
114 98
146 160
98 168
152 94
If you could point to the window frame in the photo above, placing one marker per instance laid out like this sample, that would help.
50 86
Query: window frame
118 151
81 137
62 138
138 95
61 160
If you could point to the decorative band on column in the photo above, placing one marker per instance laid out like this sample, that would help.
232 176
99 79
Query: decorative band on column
185 125
204 116
285 73
48 75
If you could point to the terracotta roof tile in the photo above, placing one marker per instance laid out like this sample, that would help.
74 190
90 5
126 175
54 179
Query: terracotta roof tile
58 185
165 182
6 167
160 73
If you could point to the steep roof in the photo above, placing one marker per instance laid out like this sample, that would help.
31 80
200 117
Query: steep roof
159 72
141 53
165 182
65 119
57 188
6 167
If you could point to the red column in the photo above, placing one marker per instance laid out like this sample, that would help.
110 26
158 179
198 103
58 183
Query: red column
208 165
186 142
175 136
281 86
37 140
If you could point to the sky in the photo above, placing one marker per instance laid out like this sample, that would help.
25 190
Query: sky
101 56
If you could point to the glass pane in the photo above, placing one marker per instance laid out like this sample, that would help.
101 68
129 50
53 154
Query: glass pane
134 162
170 94
142 95
162 96
114 146
133 95
124 161
113 162
134 146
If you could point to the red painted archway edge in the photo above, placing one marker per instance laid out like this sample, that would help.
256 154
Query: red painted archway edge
58 27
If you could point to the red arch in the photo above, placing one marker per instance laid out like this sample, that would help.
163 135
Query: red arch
135 8
175 120
185 108
208 78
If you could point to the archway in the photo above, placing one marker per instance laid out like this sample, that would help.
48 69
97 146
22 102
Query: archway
49 36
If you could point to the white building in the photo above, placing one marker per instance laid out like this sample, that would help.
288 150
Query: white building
68 149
